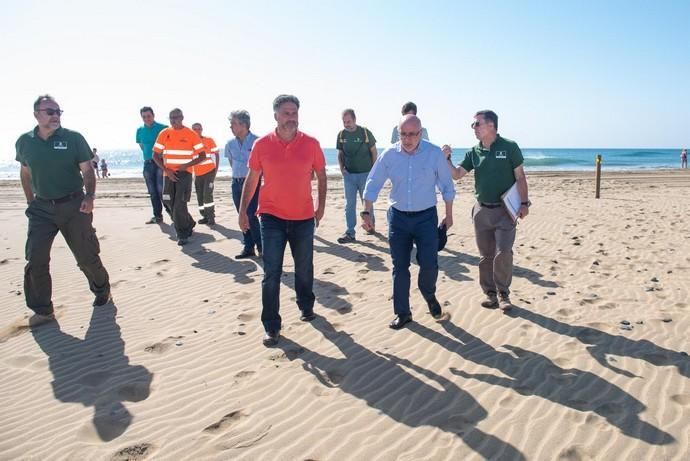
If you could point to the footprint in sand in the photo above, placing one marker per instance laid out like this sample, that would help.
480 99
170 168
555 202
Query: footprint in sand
608 306
23 325
681 399
244 374
574 453
564 312
226 422
162 346
244 317
137 452
507 402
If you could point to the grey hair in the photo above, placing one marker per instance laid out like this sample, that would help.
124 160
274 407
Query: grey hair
282 99
242 116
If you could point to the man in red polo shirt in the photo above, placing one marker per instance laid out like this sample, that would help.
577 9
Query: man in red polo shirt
286 158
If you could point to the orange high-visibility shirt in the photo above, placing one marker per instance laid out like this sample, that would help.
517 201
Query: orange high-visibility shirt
210 163
178 147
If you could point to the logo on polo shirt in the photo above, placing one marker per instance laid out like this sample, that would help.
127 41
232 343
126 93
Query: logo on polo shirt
62 145
501 153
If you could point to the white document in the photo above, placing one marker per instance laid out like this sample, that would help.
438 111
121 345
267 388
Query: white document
512 201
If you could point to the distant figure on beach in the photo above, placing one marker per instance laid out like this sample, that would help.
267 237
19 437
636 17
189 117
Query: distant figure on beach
497 163
237 152
94 162
176 150
104 169
412 217
684 158
153 175
409 108
286 158
55 169
205 175
357 153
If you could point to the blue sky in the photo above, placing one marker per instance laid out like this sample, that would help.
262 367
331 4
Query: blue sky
558 73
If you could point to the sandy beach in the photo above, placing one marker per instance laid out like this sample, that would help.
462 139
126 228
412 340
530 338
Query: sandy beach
592 363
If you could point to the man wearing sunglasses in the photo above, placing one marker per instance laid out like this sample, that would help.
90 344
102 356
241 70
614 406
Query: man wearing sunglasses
498 164
55 169
415 168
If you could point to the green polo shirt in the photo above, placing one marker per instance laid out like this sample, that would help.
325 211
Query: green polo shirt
493 168
54 163
356 146
146 138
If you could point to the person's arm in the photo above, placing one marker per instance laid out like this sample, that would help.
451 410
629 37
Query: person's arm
341 161
191 163
248 191
456 172
322 181
25 176
374 153
168 172
86 168
521 180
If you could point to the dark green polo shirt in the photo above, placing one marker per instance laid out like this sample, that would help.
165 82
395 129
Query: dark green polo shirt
493 168
356 148
54 163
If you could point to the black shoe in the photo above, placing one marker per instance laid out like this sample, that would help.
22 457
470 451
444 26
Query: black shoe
181 242
435 309
400 321
246 254
203 221
210 221
271 338
155 220
491 300
307 316
347 238
103 298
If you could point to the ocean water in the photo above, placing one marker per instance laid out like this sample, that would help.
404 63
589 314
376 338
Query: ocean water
128 163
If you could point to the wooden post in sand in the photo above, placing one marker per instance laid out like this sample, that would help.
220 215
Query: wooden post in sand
598 177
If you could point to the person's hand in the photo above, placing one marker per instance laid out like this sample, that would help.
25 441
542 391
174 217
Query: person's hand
86 205
367 223
171 174
447 221
447 151
244 222
182 168
318 215
343 171
523 212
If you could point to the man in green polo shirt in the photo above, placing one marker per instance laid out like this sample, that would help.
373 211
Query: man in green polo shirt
497 164
153 175
55 168
356 147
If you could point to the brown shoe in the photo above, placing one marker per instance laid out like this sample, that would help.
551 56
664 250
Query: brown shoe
491 301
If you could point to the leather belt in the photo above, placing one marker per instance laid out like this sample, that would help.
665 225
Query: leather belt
490 205
413 213
64 199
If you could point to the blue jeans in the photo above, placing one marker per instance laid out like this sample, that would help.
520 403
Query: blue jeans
253 236
404 229
354 185
154 184
276 233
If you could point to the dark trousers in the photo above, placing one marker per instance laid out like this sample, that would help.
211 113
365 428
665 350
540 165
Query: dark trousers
276 234
204 194
45 220
404 230
253 236
153 176
494 231
175 196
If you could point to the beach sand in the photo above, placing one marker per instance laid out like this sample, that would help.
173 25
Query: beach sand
175 368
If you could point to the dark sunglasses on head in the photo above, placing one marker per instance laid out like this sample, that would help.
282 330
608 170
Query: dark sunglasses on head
51 112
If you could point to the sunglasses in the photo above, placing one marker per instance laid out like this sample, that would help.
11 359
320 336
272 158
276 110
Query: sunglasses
476 124
51 112
411 134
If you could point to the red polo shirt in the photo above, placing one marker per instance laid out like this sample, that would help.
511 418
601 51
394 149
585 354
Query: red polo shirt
287 172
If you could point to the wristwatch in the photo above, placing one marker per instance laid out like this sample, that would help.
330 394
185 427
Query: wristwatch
528 203
364 213
90 195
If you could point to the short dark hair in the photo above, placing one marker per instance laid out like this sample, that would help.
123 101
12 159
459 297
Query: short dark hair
282 99
146 109
409 107
488 115
350 112
40 99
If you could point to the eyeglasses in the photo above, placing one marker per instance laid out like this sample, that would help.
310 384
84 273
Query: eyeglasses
476 124
51 112
411 134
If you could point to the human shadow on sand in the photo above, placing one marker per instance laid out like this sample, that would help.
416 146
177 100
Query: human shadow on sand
599 344
529 373
385 384
328 294
95 371
215 262
230 234
350 252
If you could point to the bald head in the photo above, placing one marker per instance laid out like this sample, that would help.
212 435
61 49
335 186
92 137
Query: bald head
410 122
410 128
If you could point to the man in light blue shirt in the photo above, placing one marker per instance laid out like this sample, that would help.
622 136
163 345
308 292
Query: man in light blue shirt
237 151
153 175
415 168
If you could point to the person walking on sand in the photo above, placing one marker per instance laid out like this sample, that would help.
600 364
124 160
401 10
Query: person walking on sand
237 152
176 150
415 168
684 158
55 169
104 169
205 175
356 147
497 163
409 108
153 175
287 158
94 162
